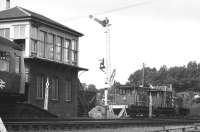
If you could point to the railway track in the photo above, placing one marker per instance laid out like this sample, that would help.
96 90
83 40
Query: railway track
71 124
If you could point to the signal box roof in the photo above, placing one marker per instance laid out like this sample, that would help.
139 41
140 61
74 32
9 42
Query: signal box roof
21 14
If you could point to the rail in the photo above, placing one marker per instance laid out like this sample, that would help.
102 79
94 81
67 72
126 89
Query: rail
69 124
192 128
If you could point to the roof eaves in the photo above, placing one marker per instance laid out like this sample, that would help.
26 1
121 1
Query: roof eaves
54 62
22 10
63 28
14 19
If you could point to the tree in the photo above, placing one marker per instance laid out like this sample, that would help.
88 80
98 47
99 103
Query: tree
181 77
92 88
137 77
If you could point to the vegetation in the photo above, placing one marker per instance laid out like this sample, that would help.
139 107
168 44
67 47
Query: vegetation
90 87
182 78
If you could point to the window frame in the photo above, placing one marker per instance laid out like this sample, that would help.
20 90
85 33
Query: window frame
49 45
4 32
21 33
55 89
18 59
40 88
41 44
66 51
5 58
58 46
68 91
74 51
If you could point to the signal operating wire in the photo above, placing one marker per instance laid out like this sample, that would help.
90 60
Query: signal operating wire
125 7
112 10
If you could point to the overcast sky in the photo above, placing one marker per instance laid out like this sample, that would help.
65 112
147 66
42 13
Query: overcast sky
154 32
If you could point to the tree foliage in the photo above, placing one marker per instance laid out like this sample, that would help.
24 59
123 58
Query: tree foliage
90 87
181 77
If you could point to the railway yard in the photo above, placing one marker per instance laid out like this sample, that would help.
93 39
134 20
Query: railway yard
40 89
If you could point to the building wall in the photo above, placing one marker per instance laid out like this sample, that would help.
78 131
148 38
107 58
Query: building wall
60 107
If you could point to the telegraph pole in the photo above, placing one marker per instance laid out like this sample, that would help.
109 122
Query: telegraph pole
143 70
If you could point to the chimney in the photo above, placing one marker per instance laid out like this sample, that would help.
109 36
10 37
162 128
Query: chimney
7 4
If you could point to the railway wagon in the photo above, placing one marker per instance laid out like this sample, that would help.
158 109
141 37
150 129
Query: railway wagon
11 81
11 62
137 100
162 96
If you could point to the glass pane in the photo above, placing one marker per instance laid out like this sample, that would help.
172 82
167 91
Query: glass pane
68 91
74 46
49 46
19 31
54 88
65 55
26 74
38 84
40 49
22 31
66 44
33 46
50 38
58 41
53 85
74 56
58 52
41 36
4 65
7 33
17 64
16 32
66 50
34 33
2 32
58 48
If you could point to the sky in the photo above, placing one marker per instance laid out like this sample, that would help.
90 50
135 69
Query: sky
153 32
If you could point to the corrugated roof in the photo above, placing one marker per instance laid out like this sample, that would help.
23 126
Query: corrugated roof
6 42
20 13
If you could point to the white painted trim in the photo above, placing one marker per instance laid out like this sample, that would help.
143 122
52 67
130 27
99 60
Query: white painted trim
23 11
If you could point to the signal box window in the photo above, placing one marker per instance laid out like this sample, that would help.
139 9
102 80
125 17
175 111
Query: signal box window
42 39
58 48
68 90
19 31
4 61
34 40
49 46
40 83
66 51
33 47
5 32
74 48
17 64
54 88
27 74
